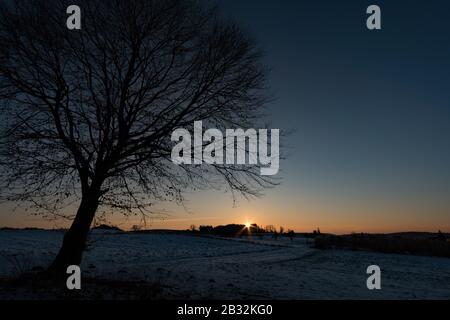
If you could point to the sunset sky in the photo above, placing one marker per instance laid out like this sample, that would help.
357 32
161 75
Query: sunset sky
370 110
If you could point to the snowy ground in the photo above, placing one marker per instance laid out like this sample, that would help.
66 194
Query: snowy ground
254 268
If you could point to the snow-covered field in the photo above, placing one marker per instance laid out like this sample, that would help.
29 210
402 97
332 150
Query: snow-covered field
245 268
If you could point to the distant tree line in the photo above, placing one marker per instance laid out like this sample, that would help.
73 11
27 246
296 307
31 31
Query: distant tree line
237 230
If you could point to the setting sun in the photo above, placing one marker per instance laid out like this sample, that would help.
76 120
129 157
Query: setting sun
247 225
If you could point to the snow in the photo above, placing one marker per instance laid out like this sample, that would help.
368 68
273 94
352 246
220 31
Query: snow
238 268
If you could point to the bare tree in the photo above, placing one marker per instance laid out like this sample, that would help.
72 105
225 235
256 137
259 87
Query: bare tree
87 115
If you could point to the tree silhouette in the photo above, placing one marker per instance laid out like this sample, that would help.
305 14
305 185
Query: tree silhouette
87 115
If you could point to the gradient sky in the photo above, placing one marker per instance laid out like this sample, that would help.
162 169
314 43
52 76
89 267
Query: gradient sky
371 113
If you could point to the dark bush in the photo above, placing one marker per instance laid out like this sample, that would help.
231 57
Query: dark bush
232 230
385 244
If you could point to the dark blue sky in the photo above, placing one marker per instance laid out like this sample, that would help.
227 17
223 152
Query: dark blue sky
371 109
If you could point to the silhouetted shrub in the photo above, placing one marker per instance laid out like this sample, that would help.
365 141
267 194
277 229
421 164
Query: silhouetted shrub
290 234
441 236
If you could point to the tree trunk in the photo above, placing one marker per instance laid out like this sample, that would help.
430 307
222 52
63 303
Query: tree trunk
75 238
